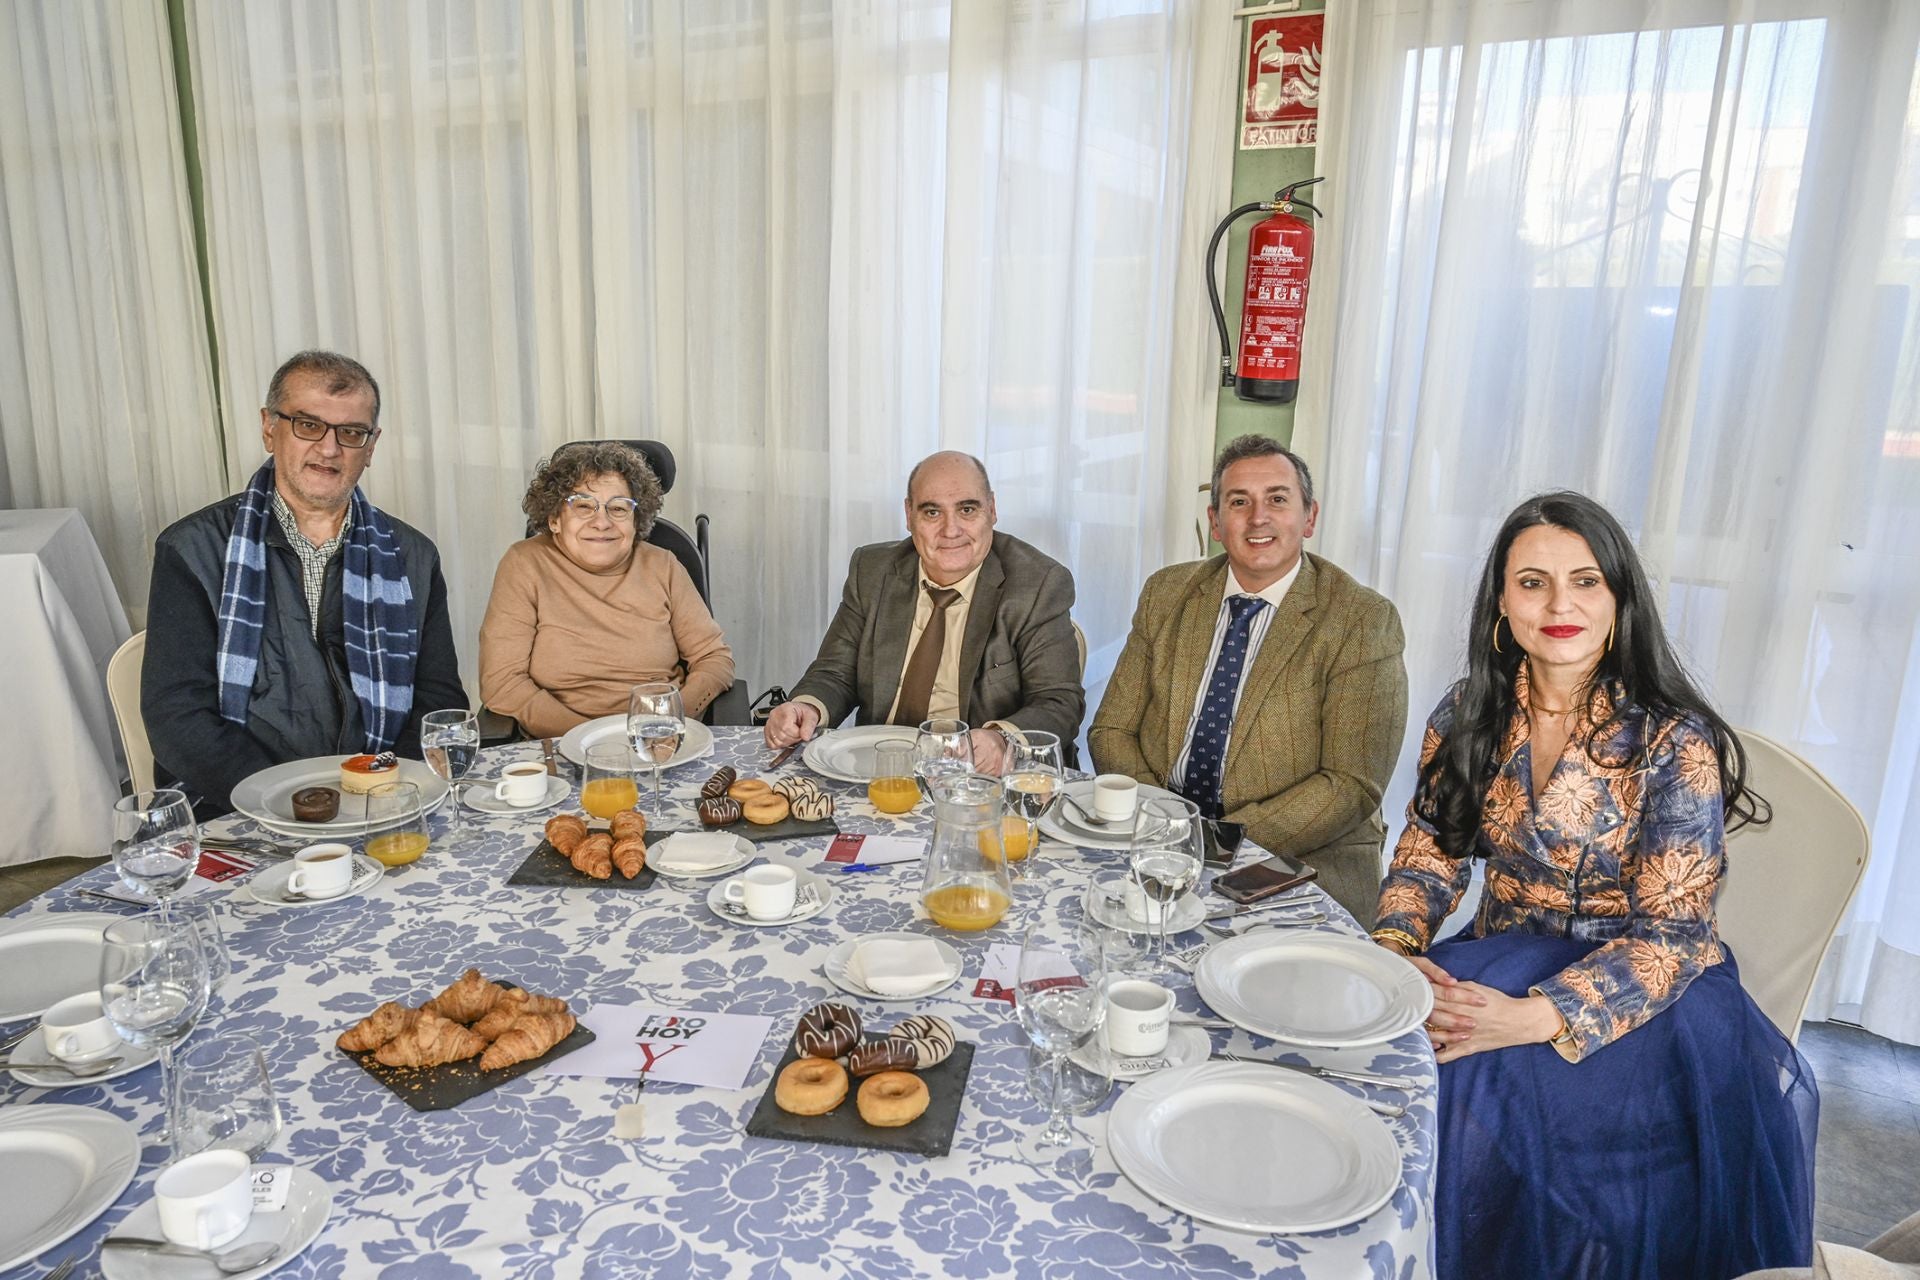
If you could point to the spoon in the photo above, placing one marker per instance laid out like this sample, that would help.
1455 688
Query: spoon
79 1069
244 1257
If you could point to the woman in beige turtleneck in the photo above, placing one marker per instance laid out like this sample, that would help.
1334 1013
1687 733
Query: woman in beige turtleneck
581 613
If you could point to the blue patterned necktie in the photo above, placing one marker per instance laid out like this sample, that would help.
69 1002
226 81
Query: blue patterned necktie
1207 758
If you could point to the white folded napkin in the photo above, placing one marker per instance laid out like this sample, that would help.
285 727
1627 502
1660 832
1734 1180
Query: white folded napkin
696 851
895 967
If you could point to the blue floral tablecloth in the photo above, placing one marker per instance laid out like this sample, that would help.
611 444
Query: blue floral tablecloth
529 1183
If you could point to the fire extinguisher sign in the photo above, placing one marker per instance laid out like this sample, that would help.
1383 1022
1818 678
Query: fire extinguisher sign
1282 100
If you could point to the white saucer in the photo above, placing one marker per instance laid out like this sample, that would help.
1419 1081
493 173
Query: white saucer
835 967
479 797
1187 913
34 1046
743 847
1185 1047
717 903
269 884
309 1205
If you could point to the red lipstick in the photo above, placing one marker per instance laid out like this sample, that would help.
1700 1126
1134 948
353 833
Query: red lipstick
1561 633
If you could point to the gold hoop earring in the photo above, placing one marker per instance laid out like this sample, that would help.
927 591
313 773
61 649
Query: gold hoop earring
1496 631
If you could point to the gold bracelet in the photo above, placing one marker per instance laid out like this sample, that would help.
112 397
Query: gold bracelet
1401 936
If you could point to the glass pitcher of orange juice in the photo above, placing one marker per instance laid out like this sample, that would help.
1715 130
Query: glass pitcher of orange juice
893 789
608 787
965 886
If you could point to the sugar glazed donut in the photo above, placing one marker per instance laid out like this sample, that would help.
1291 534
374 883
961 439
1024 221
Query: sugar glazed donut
813 1087
927 1039
891 1099
747 788
827 1031
765 809
717 785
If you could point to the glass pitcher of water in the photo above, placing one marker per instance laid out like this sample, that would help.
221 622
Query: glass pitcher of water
965 885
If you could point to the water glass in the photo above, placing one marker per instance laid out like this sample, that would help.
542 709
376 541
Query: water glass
942 749
395 812
893 787
204 919
606 785
153 989
1061 1002
224 1097
156 842
656 726
1164 859
450 740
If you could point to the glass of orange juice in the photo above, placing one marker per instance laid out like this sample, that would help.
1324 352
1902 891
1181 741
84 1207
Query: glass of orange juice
394 808
608 787
893 788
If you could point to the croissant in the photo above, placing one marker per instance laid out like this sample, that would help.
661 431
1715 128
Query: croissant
511 1006
531 1035
429 1042
383 1024
565 832
594 856
626 823
467 1000
630 855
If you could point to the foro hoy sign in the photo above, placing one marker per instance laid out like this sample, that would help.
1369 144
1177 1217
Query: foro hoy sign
659 1035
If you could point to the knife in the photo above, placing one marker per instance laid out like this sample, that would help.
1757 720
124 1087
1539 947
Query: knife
782 756
1271 904
546 749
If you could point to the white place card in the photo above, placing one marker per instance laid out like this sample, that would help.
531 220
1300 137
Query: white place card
876 851
1000 973
271 1182
679 1046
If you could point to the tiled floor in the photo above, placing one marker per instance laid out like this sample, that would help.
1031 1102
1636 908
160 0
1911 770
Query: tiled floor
1868 1165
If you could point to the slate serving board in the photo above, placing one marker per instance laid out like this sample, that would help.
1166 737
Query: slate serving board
785 829
930 1135
448 1085
546 867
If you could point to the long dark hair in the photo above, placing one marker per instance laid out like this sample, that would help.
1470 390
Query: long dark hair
1639 673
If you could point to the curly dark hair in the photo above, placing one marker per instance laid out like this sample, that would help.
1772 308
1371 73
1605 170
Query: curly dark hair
561 476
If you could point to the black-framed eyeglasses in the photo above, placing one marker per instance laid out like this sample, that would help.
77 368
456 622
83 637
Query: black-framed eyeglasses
584 506
351 435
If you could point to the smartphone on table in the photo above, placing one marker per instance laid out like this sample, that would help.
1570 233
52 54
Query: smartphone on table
1258 880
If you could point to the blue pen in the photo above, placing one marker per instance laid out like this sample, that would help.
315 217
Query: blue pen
858 866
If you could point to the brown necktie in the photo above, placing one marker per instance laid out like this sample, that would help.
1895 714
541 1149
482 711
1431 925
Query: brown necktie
916 686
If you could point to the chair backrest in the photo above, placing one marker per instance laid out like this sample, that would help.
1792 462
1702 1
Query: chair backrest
123 692
1080 643
1789 882
665 534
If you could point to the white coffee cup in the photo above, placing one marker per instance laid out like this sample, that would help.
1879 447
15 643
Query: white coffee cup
321 871
1114 795
1140 908
522 785
205 1200
76 1029
766 891
1138 1013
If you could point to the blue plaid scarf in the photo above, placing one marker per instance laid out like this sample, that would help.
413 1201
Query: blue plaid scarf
382 641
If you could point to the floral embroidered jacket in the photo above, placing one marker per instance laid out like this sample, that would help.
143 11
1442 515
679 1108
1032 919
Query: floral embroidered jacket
1628 853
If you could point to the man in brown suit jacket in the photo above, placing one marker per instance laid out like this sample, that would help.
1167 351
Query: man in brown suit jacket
1284 711
998 651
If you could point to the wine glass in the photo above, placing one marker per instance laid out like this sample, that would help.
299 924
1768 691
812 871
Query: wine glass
225 1096
656 725
942 749
153 988
394 810
1085 1081
1164 860
156 842
1032 776
450 740
1061 1002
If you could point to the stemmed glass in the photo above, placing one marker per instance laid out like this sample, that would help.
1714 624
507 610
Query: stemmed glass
153 988
1084 1081
450 740
942 749
1032 776
656 725
204 919
156 843
1061 1002
1164 860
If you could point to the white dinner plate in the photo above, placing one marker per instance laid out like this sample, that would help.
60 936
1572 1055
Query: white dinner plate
1188 909
45 959
697 744
309 1205
1254 1147
1315 989
267 796
835 966
846 755
60 1168
660 859
269 884
479 796
1186 1047
34 1048
1063 824
823 893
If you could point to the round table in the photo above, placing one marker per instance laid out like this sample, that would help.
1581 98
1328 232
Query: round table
529 1181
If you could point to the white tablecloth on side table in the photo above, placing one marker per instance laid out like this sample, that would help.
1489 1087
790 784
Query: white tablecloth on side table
60 751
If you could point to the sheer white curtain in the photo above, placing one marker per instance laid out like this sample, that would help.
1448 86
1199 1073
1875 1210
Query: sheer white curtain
802 243
1666 253
106 391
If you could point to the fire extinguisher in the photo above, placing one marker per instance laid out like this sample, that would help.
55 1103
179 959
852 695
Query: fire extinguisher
1274 311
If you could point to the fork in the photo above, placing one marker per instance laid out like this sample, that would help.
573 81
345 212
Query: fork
1285 922
64 1268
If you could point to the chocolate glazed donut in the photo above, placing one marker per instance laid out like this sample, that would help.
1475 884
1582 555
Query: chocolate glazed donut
827 1031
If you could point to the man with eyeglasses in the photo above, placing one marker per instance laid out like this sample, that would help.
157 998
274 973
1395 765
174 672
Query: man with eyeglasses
295 619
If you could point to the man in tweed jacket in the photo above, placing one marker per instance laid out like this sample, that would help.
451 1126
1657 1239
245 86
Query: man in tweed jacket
1305 739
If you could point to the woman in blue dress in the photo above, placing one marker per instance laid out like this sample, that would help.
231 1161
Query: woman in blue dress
1612 1103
